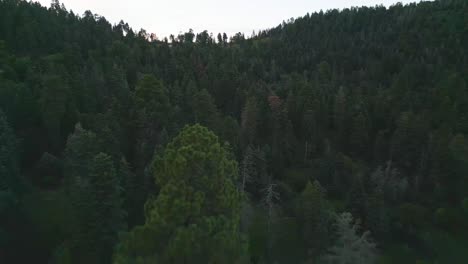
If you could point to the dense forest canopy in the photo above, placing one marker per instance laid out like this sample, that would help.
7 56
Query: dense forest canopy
336 137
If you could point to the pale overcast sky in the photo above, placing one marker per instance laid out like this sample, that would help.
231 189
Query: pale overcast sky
165 17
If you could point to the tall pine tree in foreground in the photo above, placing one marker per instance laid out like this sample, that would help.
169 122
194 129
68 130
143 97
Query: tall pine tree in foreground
195 217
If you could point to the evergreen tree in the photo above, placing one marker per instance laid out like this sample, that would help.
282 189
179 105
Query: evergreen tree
9 163
270 199
152 114
455 181
81 148
106 215
130 191
94 190
9 188
340 111
407 140
82 145
53 103
377 218
198 202
357 197
249 122
314 220
351 247
205 111
359 137
389 182
248 169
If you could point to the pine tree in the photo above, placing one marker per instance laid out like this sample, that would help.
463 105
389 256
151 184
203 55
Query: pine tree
151 102
205 111
82 145
9 160
281 133
107 215
350 247
357 197
408 140
340 111
190 91
389 181
377 218
249 122
195 217
248 170
9 183
129 192
94 190
118 84
270 199
152 115
53 102
381 148
359 137
314 219
455 181
81 148
253 172
229 132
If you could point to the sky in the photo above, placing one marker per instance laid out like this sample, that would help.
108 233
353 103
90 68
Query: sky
165 17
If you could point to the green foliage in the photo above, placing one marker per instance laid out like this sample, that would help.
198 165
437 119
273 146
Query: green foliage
314 219
129 192
151 102
351 247
249 122
357 197
198 201
450 219
465 205
340 117
152 114
204 110
48 170
408 139
107 216
9 170
51 215
359 137
378 216
53 104
330 96
448 247
455 183
412 216
94 188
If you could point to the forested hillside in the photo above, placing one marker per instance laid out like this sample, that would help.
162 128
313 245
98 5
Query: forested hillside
336 137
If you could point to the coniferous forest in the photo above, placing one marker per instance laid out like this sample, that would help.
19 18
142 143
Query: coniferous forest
336 137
